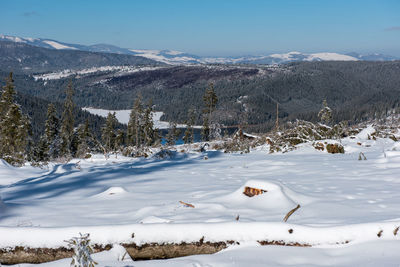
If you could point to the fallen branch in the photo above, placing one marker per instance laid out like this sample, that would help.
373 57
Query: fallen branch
290 213
186 204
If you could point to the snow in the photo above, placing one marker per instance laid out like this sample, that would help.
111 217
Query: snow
345 204
57 45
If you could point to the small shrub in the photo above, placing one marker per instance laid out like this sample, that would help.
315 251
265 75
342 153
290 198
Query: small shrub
82 250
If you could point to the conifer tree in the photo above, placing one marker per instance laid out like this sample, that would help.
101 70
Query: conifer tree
7 96
51 134
325 114
205 130
14 127
108 134
67 123
173 134
189 132
85 141
135 124
210 100
148 125
119 139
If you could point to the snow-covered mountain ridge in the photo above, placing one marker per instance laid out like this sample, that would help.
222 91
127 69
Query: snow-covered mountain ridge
177 58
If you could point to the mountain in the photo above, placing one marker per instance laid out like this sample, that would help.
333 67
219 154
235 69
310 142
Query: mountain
173 57
19 56
372 57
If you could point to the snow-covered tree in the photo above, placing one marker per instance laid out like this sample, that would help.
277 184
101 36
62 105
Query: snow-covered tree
82 251
14 127
325 114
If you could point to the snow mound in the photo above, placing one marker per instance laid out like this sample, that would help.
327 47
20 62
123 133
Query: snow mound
154 219
112 191
365 132
275 197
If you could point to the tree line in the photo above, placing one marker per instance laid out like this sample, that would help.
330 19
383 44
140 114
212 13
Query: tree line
62 140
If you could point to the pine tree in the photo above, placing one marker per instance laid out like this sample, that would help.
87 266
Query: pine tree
135 124
67 123
108 134
148 127
205 130
119 139
173 134
85 141
189 132
7 96
14 127
210 100
325 114
51 134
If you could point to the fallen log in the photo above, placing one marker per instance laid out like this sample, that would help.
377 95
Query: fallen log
21 254
151 251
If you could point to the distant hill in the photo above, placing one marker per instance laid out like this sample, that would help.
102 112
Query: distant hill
354 90
24 58
174 57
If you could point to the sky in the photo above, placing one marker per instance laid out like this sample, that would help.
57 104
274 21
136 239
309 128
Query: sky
212 27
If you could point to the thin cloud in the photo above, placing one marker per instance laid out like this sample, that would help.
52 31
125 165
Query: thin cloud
30 14
396 28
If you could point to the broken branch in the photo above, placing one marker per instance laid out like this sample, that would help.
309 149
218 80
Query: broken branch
290 213
186 204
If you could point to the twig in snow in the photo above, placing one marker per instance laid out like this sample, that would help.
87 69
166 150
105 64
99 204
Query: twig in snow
380 233
290 213
361 156
186 204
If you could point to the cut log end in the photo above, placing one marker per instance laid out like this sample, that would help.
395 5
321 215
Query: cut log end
251 192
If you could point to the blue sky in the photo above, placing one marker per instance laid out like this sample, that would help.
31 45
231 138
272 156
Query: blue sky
219 27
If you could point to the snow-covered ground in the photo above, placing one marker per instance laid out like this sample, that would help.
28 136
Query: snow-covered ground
349 207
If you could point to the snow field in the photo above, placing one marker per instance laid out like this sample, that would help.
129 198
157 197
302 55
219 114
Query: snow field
349 208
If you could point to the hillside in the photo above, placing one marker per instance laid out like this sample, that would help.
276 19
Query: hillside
354 90
23 58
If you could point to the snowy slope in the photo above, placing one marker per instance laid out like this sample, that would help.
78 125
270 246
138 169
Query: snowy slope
342 200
